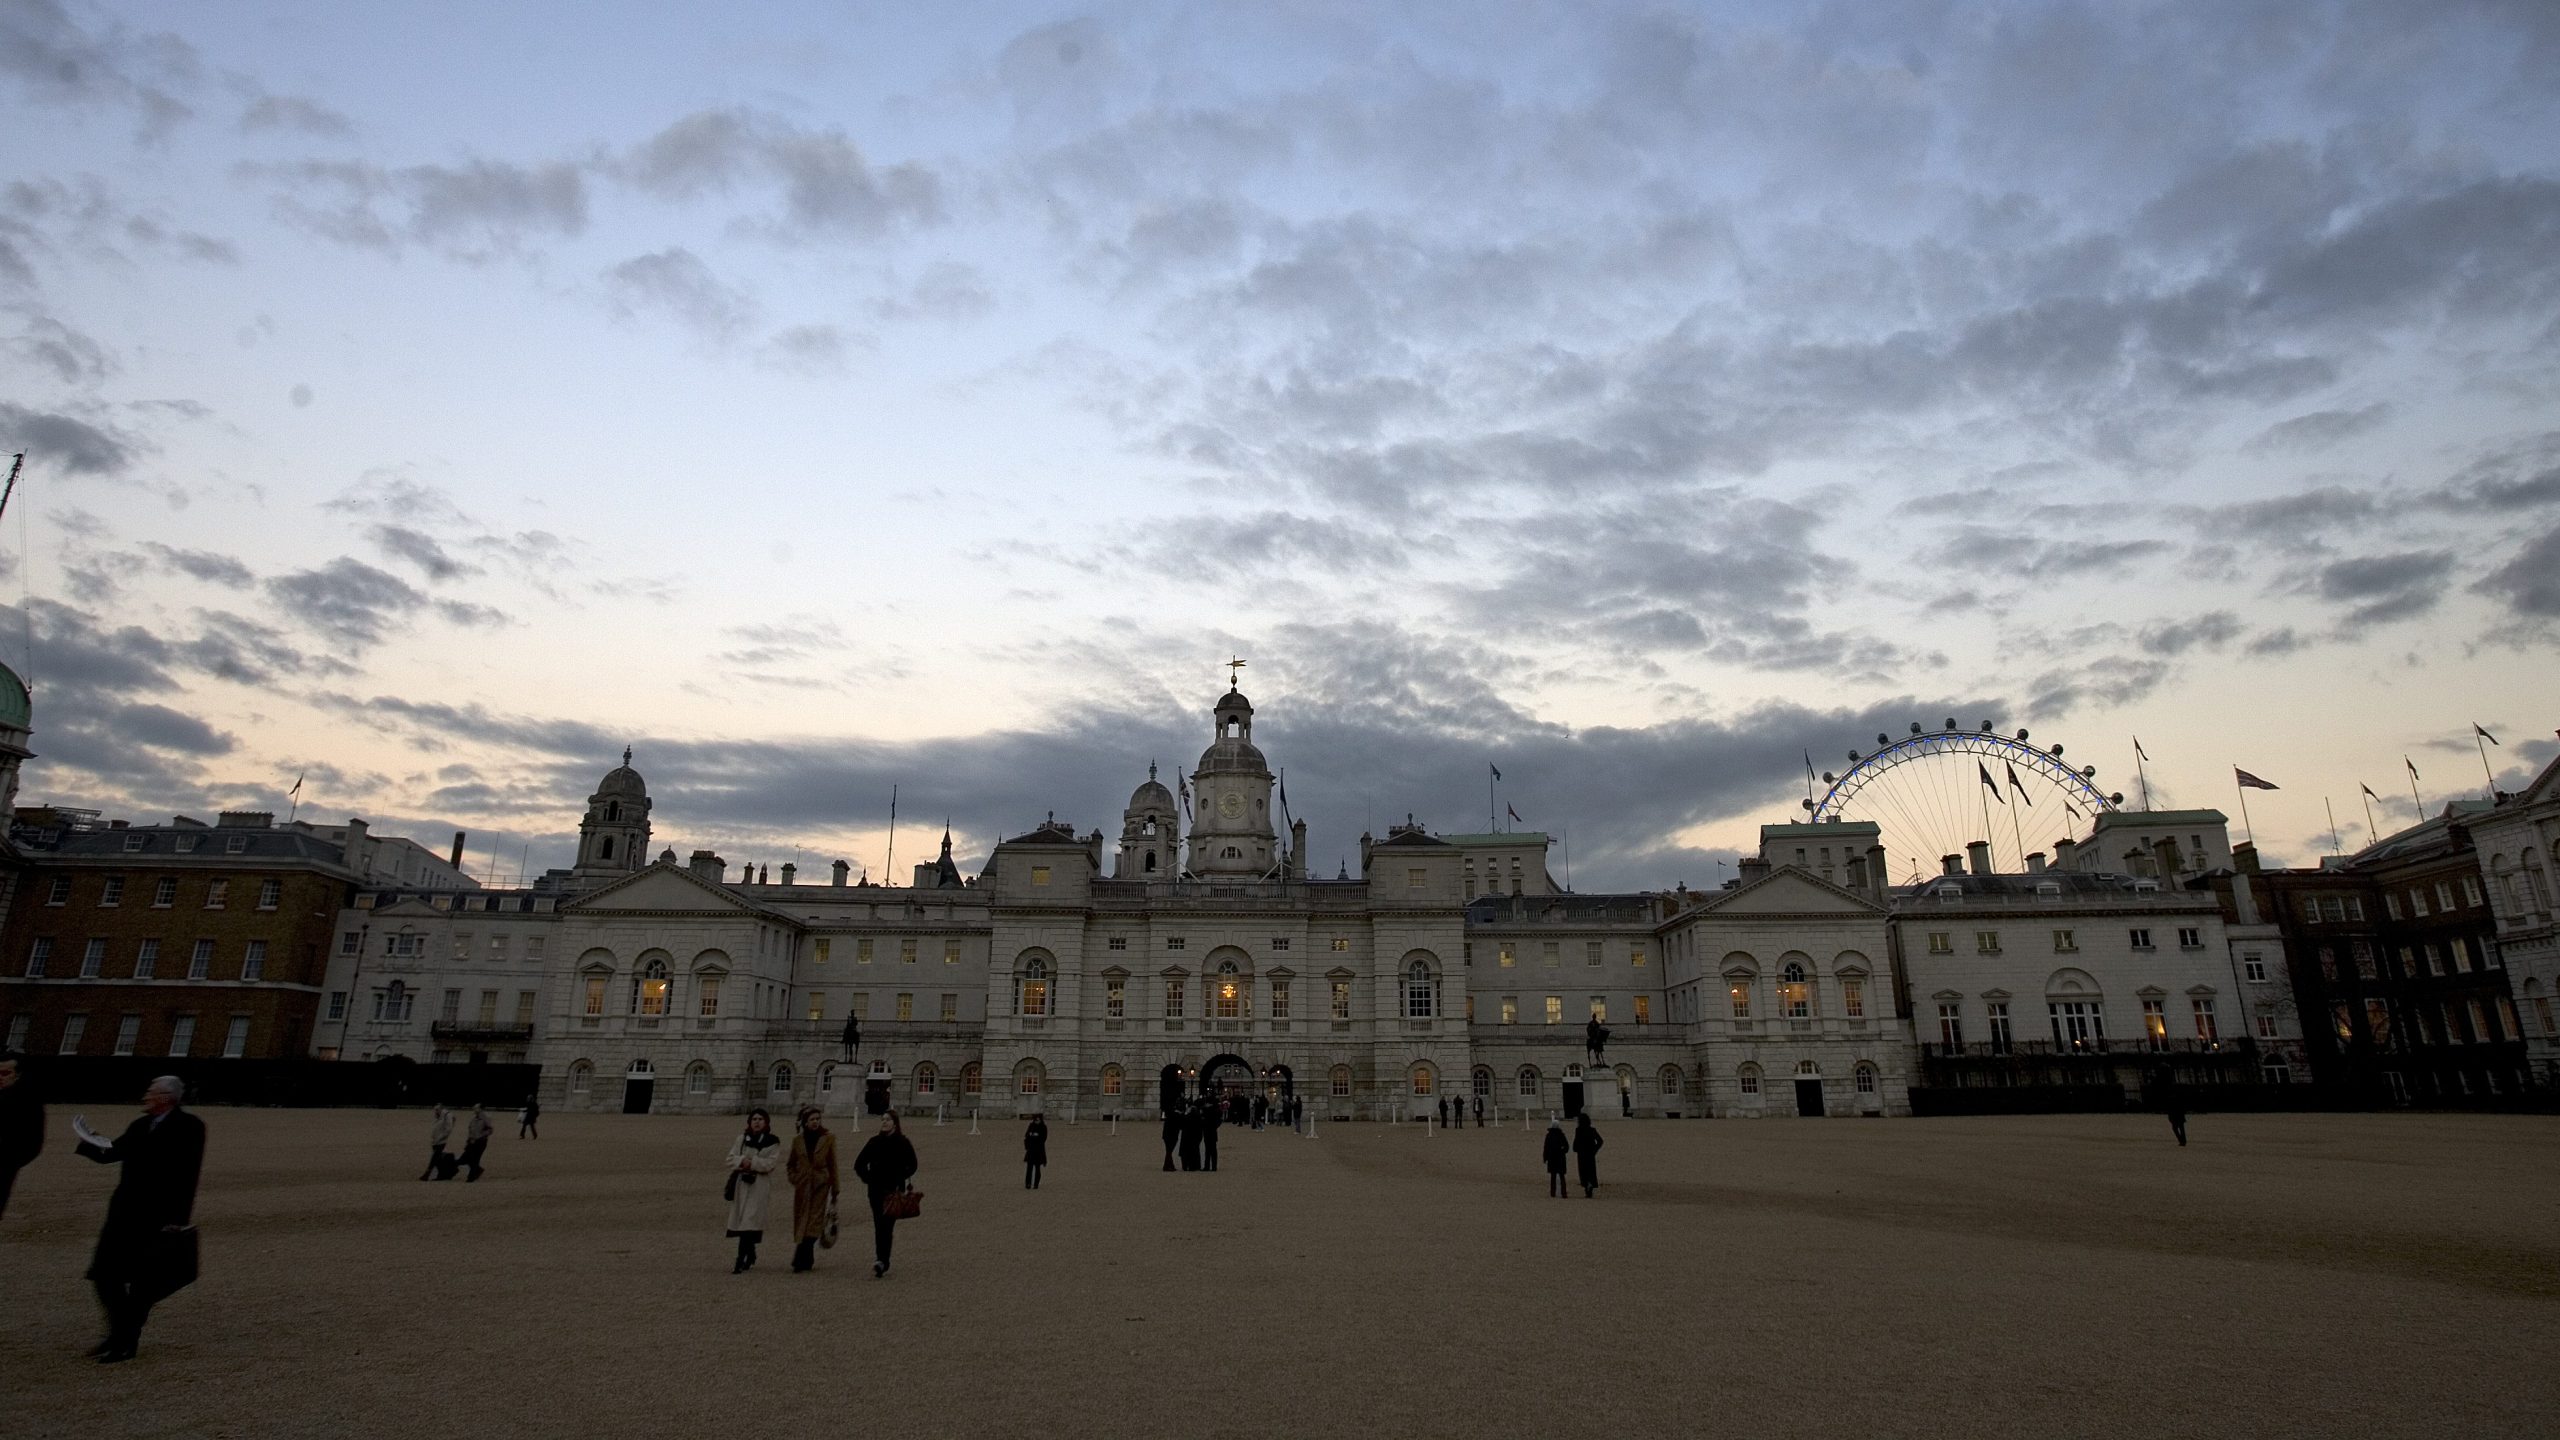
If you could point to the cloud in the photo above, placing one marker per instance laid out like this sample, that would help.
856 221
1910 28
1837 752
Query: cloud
2011 551
474 210
76 447
2317 430
2378 589
419 549
826 186
347 600
74 358
675 282
807 349
57 62
2209 631
2529 583
2524 475
292 112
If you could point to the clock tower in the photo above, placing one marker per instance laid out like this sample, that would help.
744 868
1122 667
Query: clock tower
1231 832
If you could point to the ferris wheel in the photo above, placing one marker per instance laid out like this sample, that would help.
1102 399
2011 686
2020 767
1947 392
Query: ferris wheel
1932 792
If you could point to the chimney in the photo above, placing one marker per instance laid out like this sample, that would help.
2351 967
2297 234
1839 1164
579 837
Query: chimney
1750 868
2244 857
707 866
1978 856
789 870
2035 862
2064 851
765 876
1879 870
844 871
357 851
245 820
2166 848
455 860
1950 864
1297 849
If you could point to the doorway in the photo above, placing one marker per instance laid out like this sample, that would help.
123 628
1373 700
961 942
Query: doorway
637 1087
1809 1099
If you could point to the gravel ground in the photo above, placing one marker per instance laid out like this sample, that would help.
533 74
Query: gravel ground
2284 1275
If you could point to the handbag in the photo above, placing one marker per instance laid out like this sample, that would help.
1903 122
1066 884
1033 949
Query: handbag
902 1204
729 1192
827 1237
170 1263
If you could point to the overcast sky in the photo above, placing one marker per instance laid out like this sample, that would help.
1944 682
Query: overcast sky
430 402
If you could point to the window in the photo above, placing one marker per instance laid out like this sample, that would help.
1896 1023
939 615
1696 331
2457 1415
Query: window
2190 937
1668 1082
1853 997
907 1005
93 959
2253 965
2266 1022
452 1007
1419 993
2155 1025
2139 937
533 947
1226 999
1555 1009
404 946
649 991
861 1004
1424 1083
2390 907
697 1079
2065 942
1115 998
1414 877
972 1078
1866 1079
907 952
128 1030
1341 943
1528 1086
1741 993
39 954
524 1004
1039 874
200 963
165 893
1986 942
1111 1079
950 952
862 952
1510 1009
1175 1004
1941 942
217 894
1175 943
462 945
1749 1076
1027 1077
1550 954
1280 942
2077 1024
950 1008
111 892
1339 1081
337 1004
1996 1018
1119 942
1795 996
783 1079
1600 1008
1280 999
2334 909
270 894
18 1027
73 1028
182 1035
2366 968
253 964
1644 1009
351 943
2417 904
926 1078
2444 895
581 1077
1504 956
708 1006
595 995
60 893
2274 1069
1950 1023
1341 1000
1636 953
235 1041
2470 889
817 1004
488 1008
1591 953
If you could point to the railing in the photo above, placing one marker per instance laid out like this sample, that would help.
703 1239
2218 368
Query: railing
461 1034
831 1032
2046 1049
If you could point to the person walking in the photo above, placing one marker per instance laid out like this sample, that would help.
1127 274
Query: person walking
475 1141
1553 1151
753 1157
2169 1100
1035 1152
21 1123
1479 1104
163 1155
812 1173
1209 1136
886 1164
529 1119
439 1130
1586 1152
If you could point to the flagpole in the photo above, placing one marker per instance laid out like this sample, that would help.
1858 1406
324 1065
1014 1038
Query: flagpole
2244 808
2142 774
2415 803
2334 846
2369 833
2481 743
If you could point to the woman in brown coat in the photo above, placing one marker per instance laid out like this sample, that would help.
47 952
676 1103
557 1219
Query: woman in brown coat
812 1172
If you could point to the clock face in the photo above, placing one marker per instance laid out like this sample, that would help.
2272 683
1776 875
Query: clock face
1231 805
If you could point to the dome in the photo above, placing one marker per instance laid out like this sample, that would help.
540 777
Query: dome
16 712
1151 796
1231 757
622 779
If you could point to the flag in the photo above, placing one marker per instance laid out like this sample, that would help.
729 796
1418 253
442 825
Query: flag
2413 768
2485 735
296 792
2249 781
1182 783
1496 769
1987 783
1514 814
2014 785
2137 748
2368 792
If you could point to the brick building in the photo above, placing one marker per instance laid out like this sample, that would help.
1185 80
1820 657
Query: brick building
179 939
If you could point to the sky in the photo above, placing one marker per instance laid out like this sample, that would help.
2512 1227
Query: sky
428 403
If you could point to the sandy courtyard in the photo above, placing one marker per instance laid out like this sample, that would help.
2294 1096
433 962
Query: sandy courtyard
2293 1275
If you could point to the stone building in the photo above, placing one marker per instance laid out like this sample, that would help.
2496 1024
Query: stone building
2517 841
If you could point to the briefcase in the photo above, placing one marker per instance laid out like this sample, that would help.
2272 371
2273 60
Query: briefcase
172 1262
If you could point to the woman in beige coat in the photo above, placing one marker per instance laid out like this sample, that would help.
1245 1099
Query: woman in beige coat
753 1157
812 1171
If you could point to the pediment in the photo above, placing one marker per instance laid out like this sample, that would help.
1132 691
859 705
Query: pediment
1789 891
665 887
410 907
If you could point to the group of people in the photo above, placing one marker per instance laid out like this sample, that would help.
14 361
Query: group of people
475 1145
1453 1111
1585 1149
886 1166
1191 1133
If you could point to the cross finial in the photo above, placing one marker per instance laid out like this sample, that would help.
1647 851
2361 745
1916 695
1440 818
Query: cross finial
626 754
1234 669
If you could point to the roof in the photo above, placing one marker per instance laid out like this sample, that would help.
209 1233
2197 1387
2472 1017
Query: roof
1412 839
197 844
2428 833
1503 837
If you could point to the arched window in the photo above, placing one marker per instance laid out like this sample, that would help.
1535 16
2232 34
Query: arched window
1866 1079
782 1077
926 1077
971 1078
1808 1067
1669 1081
1482 1083
1529 1082
582 1077
826 1079
1573 1072
1424 1082
1027 1077
649 989
1035 988
1231 853
1113 1077
1227 994
1151 856
1419 992
1749 1076
697 1079
612 811
1341 1081
1794 992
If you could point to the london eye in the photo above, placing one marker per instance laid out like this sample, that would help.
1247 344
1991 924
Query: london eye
1933 792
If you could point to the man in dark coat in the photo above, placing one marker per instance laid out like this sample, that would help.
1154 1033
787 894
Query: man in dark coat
1209 1137
1194 1123
162 1154
1035 1151
1172 1133
21 1124
2168 1100
529 1119
1479 1104
1586 1152
475 1142
1551 1152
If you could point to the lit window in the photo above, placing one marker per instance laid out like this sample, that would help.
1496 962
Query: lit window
907 1005
1505 957
1644 1009
2206 1030
1853 997
950 1009
1341 943
1600 1008
1510 1009
1027 1079
1794 993
1227 1000
1039 876
1341 1008
907 952
862 952
1423 1083
1176 1003
1740 991
817 1005
649 991
595 995
1555 1009
1636 953
950 952
2155 1025
926 1078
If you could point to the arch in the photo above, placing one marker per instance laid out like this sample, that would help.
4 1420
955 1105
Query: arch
972 1078
697 1079
783 1077
1031 984
1809 1067
1228 987
1421 989
710 960
2072 981
1627 1079
1426 1080
1481 1082
1795 965
827 1078
652 984
1795 989
1739 962
1338 1080
612 811
926 1078
1747 1077
604 847
1668 1082
582 1076
1114 1079
1530 1084
1866 1077
1849 962
1029 1076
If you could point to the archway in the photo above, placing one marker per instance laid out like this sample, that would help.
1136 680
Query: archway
1228 1081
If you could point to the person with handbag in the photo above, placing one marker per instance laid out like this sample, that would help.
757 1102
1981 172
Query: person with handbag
753 1157
439 1133
812 1173
146 1249
1035 1152
886 1164
475 1142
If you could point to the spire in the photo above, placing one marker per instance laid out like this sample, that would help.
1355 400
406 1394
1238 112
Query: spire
626 754
946 839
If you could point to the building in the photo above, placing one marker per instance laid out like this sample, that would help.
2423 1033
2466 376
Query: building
392 861
2518 843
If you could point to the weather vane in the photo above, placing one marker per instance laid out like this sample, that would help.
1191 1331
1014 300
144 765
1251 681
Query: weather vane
1234 669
